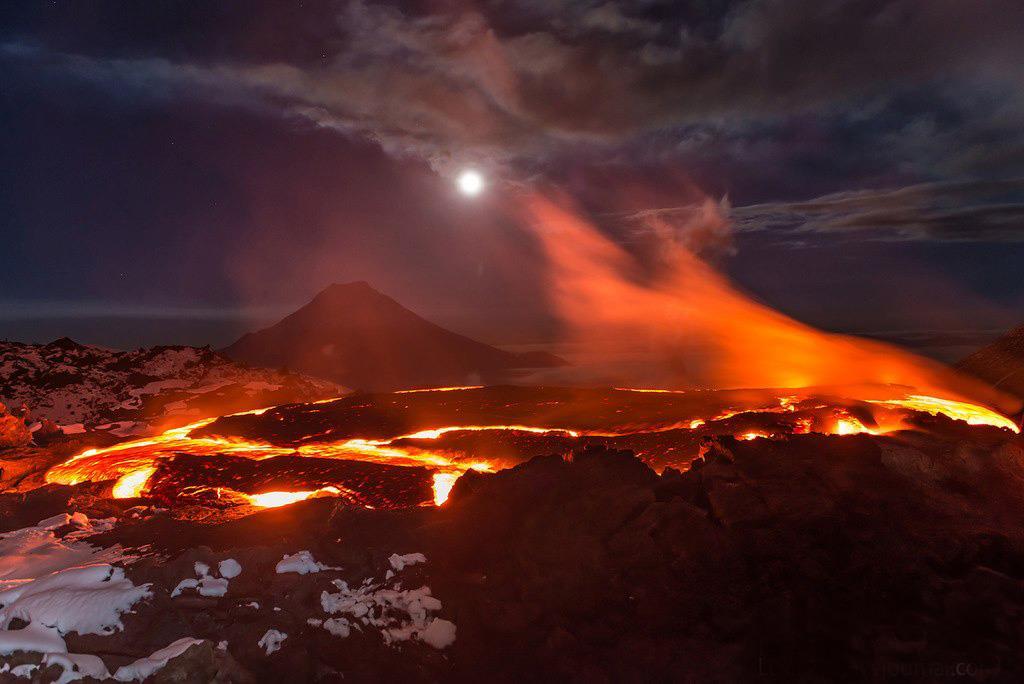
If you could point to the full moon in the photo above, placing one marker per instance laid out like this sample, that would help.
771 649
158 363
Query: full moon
470 183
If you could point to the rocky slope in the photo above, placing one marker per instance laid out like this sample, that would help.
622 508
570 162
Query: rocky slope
1001 363
363 339
814 558
82 387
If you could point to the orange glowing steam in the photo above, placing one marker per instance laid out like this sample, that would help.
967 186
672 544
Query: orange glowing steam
691 328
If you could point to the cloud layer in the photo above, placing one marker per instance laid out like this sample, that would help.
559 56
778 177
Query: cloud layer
517 84
977 211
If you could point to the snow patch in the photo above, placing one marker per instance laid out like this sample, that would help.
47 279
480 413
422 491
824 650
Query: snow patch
206 584
302 563
399 615
31 552
34 638
400 563
439 633
144 667
339 627
229 568
76 666
271 641
87 600
24 671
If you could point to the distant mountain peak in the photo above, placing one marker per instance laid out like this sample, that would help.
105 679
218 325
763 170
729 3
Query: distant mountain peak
354 334
354 287
358 292
63 343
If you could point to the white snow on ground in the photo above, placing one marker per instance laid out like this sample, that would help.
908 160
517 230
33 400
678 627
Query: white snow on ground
212 387
229 568
32 552
76 666
302 563
271 641
399 615
206 584
257 386
88 600
158 386
339 627
439 633
144 667
32 638
400 563
47 582
212 586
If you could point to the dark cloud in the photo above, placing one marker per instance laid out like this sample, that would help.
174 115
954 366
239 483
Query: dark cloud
979 211
514 84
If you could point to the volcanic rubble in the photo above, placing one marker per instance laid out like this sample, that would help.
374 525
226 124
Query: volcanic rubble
812 558
94 392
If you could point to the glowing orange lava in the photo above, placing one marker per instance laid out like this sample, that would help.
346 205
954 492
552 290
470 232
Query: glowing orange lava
972 414
133 484
443 483
132 464
275 499
439 389
850 426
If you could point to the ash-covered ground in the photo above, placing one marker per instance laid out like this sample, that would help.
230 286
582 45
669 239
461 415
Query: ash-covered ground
810 557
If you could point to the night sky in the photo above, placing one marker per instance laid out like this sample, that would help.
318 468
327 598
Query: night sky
181 171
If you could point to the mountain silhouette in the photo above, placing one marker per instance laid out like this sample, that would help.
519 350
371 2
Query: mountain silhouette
354 335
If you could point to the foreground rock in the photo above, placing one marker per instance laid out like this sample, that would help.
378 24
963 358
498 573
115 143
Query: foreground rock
13 431
812 558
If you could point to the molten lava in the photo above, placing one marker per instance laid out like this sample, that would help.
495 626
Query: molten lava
275 499
383 436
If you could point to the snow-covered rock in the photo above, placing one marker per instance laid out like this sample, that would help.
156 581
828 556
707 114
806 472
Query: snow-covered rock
271 641
144 667
206 584
82 387
302 563
31 552
399 563
439 633
88 600
229 568
397 614
76 666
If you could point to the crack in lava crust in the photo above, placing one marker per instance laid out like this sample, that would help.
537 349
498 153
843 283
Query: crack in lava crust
408 448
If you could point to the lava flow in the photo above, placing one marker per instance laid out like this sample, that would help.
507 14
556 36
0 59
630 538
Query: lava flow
409 448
